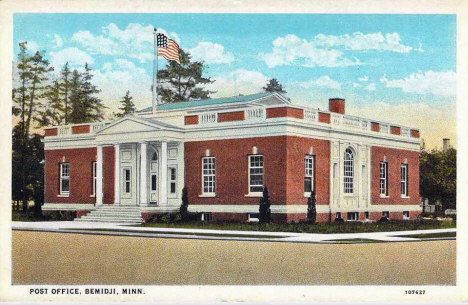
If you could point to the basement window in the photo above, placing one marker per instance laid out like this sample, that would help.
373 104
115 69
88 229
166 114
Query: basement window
406 215
206 217
338 215
386 214
254 217
353 216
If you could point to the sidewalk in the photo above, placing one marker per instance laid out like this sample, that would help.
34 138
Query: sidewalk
98 228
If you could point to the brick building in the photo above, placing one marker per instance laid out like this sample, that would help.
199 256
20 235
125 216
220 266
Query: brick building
225 151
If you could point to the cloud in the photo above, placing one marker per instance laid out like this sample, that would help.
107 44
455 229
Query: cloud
323 82
437 83
135 41
363 79
417 115
363 42
58 41
32 46
74 56
291 49
211 53
370 87
115 78
327 50
356 85
237 82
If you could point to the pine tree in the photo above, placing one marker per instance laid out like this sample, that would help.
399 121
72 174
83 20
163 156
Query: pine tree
184 82
264 209
75 98
53 112
274 86
184 206
127 105
65 90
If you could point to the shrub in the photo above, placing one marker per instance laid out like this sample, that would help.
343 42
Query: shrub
312 208
384 219
264 209
339 220
184 215
62 215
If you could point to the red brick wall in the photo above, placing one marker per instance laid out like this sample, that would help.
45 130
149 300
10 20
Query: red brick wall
231 116
51 132
297 149
375 126
108 174
285 112
191 120
81 129
232 169
324 117
336 105
81 173
415 133
395 130
394 158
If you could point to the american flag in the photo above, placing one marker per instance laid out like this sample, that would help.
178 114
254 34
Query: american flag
168 48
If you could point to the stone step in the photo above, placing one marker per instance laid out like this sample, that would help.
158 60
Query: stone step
116 219
114 213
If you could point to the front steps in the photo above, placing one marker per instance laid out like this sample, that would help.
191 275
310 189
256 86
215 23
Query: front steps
114 214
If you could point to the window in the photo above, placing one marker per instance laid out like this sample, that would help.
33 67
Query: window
254 217
405 214
206 217
209 175
309 174
255 173
64 178
404 180
338 215
384 178
94 177
367 215
127 181
386 214
153 182
353 216
173 179
348 171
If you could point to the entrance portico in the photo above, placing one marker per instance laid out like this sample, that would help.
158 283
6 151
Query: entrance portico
141 161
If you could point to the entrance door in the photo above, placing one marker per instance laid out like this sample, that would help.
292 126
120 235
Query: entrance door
128 185
154 179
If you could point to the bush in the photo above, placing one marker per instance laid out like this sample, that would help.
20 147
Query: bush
339 220
184 215
264 209
384 219
312 208
61 215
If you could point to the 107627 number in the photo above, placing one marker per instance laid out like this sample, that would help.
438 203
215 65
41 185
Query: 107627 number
415 291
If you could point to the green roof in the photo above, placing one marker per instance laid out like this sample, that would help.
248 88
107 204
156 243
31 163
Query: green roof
209 102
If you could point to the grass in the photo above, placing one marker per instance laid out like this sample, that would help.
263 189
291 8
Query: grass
30 217
349 227
431 235
355 240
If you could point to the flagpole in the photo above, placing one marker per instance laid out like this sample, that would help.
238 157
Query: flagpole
155 73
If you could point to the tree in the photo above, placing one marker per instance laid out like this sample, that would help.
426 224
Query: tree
274 86
85 106
264 209
312 208
64 90
184 82
127 105
438 176
184 205
53 112
33 75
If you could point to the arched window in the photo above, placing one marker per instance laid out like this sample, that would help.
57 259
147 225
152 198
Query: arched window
348 171
154 157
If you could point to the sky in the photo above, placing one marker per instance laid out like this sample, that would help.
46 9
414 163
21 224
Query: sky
396 68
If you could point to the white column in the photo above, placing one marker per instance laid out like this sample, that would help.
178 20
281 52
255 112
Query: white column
143 174
163 173
117 174
99 176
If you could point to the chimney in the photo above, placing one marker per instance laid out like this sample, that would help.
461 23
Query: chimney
336 105
446 144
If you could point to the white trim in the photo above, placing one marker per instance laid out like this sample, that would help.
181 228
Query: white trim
63 195
254 194
99 161
207 195
307 194
143 173
321 208
163 180
68 206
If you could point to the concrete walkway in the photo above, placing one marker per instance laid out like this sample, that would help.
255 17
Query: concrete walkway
125 230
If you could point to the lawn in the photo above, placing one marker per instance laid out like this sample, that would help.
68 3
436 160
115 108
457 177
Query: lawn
347 227
431 235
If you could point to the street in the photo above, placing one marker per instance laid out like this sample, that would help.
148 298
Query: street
64 258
